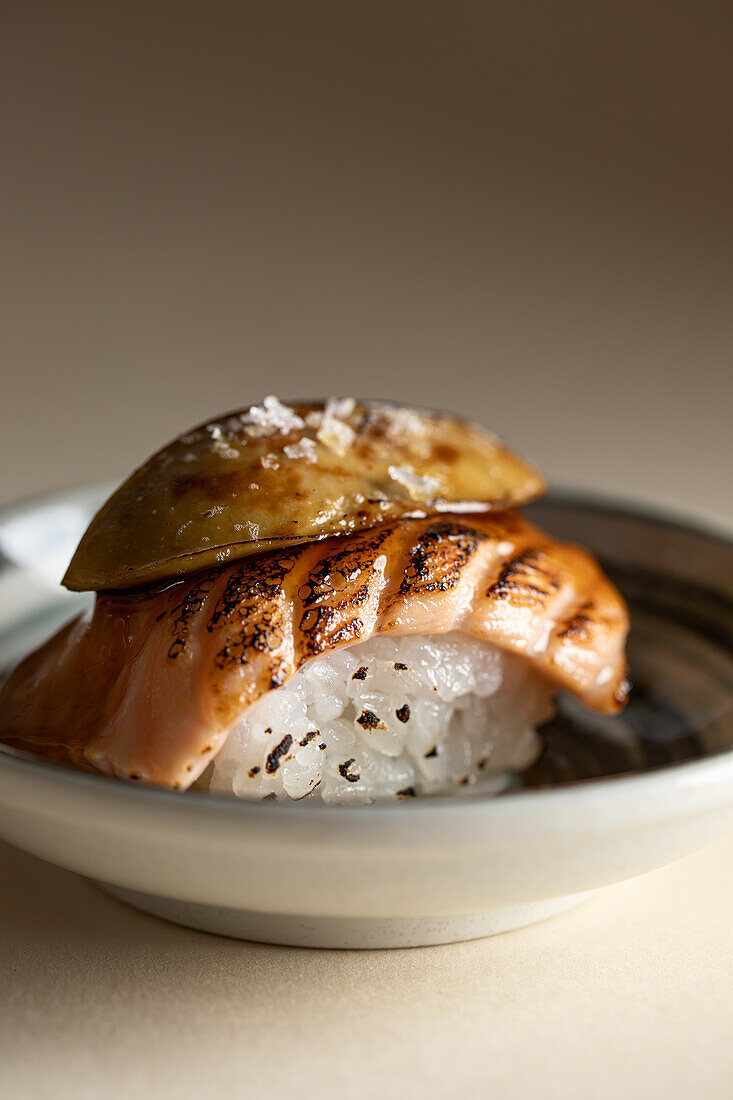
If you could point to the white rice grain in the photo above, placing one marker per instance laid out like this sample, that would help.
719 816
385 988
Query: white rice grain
392 717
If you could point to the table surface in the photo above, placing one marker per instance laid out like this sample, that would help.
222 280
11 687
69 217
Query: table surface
520 212
629 994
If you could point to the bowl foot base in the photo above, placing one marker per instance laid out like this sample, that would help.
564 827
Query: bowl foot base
342 932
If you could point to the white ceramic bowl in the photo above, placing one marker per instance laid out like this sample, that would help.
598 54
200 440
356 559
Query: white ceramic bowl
422 871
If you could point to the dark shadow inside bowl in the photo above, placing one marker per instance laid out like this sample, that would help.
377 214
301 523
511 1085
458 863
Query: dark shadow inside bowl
676 582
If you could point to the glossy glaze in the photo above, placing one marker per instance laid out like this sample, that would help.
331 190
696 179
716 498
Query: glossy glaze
276 475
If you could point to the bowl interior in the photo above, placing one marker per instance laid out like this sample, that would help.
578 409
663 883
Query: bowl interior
677 579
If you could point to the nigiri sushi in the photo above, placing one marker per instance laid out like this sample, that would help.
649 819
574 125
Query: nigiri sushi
338 602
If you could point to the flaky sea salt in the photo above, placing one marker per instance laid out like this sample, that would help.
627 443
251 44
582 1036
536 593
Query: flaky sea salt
332 429
401 423
305 448
418 488
340 407
335 435
221 448
271 417
461 506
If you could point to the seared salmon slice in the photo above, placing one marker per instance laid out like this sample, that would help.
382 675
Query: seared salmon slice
148 686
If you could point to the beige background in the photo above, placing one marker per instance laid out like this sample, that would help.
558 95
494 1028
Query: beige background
526 216
522 212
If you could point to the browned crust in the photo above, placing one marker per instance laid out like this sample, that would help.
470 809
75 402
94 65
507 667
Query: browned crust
151 685
220 494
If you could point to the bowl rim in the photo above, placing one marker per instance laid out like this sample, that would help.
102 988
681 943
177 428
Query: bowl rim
687 775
